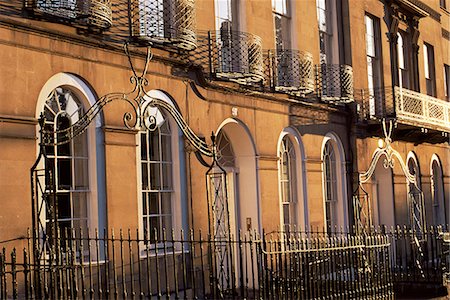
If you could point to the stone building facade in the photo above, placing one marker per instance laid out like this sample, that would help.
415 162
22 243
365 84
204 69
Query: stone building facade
294 91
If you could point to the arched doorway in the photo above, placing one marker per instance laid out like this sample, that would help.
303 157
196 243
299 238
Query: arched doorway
236 154
383 196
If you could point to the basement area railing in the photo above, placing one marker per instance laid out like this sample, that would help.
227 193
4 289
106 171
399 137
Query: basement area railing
187 265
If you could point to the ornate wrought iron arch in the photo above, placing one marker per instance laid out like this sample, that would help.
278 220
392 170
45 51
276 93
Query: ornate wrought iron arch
361 201
46 233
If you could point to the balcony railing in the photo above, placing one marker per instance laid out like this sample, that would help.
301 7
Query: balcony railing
419 109
169 22
94 13
230 55
334 83
290 71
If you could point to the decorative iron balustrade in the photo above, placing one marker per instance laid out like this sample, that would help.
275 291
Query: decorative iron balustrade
230 55
419 109
334 83
169 22
376 103
413 263
290 71
93 13
184 265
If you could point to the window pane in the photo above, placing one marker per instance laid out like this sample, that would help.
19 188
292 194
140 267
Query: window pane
144 176
153 204
167 176
153 139
79 205
144 203
155 180
143 146
166 148
164 128
167 225
286 215
447 80
80 224
64 173
146 227
426 62
80 146
223 10
64 210
81 174
166 203
154 227
286 191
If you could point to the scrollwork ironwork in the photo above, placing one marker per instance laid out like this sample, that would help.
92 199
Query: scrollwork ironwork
140 117
389 154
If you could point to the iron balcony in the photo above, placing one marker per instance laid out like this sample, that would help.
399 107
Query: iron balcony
290 71
162 22
95 14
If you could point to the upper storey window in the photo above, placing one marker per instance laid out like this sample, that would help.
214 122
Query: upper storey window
325 32
226 13
373 53
430 75
282 21
447 81
403 51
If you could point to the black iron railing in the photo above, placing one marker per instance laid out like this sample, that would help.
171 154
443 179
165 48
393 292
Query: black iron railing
334 82
188 265
375 103
290 71
230 55
415 258
94 13
169 22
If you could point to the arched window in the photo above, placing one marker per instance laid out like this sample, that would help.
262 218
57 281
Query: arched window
225 153
334 182
69 160
415 197
160 157
282 21
288 184
437 192
330 186
156 179
413 169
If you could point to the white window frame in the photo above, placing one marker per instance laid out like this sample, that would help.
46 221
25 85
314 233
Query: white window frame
437 190
341 204
301 200
178 197
87 98
72 114
287 152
